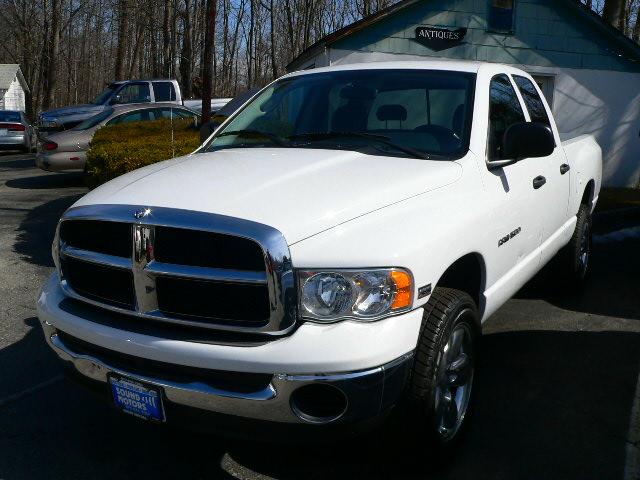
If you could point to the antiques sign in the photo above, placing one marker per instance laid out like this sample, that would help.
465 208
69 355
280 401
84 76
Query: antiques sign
437 38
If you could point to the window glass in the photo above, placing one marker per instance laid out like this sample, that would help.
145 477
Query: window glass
504 111
135 93
105 94
95 120
532 100
423 110
8 116
164 92
135 116
500 18
175 113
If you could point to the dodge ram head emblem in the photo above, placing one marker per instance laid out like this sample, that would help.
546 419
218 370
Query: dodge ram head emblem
143 212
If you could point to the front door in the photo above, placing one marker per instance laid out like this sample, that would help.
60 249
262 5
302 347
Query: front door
514 203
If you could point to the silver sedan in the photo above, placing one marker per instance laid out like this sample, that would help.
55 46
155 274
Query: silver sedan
67 150
16 133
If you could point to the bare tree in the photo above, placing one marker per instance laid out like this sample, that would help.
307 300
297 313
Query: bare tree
122 39
207 60
613 13
51 77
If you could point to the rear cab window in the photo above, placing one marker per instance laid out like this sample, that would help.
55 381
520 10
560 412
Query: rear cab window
164 92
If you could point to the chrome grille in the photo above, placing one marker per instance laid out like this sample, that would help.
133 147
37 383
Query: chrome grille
182 266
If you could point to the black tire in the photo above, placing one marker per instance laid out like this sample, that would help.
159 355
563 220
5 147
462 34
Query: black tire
446 313
574 259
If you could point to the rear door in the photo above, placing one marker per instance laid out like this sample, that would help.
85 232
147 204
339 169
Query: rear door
554 168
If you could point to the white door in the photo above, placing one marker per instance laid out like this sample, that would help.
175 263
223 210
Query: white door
554 168
514 204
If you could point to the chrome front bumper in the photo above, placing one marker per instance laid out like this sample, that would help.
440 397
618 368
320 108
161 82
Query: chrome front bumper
367 393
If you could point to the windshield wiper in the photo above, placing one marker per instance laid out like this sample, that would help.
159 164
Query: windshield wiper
281 142
370 136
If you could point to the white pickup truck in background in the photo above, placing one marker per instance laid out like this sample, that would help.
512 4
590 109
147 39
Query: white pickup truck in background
328 254
122 92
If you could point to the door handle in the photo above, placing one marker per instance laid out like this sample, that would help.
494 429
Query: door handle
564 168
539 181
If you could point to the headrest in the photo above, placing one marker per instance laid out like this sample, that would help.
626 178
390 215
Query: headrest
391 112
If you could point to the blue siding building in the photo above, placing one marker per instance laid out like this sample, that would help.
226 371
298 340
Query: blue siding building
588 70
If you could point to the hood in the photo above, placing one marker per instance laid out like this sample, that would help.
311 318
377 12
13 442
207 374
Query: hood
87 108
72 140
301 192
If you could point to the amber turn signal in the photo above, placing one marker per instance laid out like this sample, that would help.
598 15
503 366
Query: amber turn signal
403 289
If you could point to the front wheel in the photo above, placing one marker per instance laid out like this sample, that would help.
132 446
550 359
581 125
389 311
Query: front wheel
444 365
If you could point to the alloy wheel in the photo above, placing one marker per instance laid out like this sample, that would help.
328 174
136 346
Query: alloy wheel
454 380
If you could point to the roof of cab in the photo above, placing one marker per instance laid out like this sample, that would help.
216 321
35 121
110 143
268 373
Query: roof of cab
450 65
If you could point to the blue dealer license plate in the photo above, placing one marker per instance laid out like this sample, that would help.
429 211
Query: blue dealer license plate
135 398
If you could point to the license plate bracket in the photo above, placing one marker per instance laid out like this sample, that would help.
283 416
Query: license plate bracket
136 398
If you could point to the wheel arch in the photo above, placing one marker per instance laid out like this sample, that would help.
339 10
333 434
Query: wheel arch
589 191
468 274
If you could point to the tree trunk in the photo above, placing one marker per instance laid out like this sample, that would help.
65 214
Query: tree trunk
274 62
207 60
52 61
636 28
613 13
187 52
166 39
121 49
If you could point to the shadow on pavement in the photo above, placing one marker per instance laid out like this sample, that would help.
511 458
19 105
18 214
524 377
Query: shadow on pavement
26 363
16 163
613 287
548 405
47 181
36 231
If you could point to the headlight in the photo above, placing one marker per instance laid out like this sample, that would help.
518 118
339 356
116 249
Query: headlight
328 296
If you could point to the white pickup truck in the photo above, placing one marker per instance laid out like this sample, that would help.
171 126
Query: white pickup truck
328 254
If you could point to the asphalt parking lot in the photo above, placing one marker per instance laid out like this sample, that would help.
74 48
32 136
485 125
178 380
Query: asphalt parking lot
557 395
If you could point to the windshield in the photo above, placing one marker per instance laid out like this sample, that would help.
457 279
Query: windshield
95 120
9 116
418 113
105 95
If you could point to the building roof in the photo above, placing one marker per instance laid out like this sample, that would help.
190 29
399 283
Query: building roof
327 41
8 73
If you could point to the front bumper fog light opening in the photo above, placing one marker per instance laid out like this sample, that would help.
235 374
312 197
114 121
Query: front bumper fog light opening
318 403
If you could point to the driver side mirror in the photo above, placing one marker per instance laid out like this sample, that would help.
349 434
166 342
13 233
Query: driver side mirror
525 140
115 100
528 140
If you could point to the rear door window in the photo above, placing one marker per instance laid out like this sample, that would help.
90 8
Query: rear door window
164 92
175 113
504 111
532 100
135 116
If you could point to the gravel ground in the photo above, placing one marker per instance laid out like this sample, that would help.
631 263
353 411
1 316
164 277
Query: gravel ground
556 395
